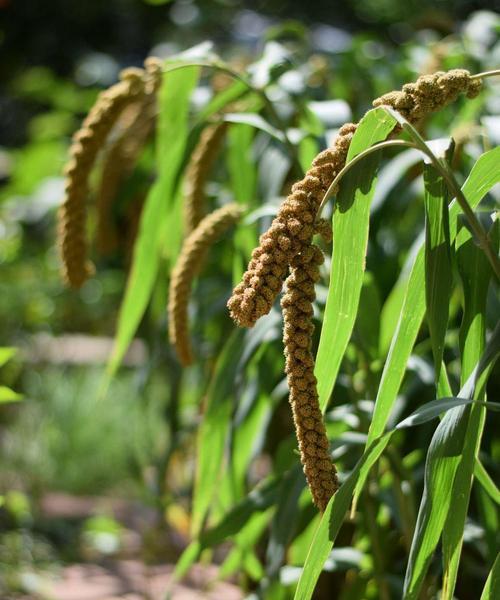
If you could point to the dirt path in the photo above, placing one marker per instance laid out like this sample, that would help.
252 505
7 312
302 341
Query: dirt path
132 580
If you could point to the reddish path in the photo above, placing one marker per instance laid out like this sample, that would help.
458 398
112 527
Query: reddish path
131 580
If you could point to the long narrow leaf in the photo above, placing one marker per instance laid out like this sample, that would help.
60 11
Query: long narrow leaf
475 274
438 277
332 520
491 589
443 459
172 134
350 231
213 432
482 178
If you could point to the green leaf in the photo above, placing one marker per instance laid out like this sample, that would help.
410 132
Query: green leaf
432 410
247 439
235 91
6 353
237 521
491 589
336 510
438 277
391 310
171 139
443 459
242 556
243 176
258 500
475 273
187 559
282 525
482 177
214 428
8 395
332 520
442 462
481 474
410 319
241 163
350 231
367 329
256 121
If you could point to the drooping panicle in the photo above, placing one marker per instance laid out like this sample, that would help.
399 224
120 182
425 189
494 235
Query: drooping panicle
188 265
297 305
430 93
200 165
290 232
292 227
130 134
86 144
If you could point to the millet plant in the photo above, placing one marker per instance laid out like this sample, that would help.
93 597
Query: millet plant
386 245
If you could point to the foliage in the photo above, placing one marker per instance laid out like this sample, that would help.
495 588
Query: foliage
405 319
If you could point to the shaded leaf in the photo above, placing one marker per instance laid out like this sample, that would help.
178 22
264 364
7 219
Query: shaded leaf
350 232
171 139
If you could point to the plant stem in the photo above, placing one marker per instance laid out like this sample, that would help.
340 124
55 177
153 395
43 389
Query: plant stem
477 229
355 160
221 66
378 554
486 74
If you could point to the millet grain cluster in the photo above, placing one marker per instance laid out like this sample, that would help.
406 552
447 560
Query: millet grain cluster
286 248
134 85
187 267
200 164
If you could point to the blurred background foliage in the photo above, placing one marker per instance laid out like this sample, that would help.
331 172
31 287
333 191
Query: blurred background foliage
135 442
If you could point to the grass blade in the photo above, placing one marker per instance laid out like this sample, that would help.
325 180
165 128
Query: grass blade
482 475
350 232
332 520
438 277
475 273
482 178
172 135
213 431
282 528
492 587
443 459
338 506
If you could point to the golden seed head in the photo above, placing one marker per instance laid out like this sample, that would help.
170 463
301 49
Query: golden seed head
188 265
199 167
296 303
83 151
292 228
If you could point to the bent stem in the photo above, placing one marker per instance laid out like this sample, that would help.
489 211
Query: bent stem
225 68
446 173
375 148
486 74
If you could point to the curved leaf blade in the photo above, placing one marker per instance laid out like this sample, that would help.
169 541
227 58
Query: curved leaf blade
350 232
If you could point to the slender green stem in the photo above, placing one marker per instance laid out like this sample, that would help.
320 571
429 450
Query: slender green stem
379 555
446 173
375 148
224 68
